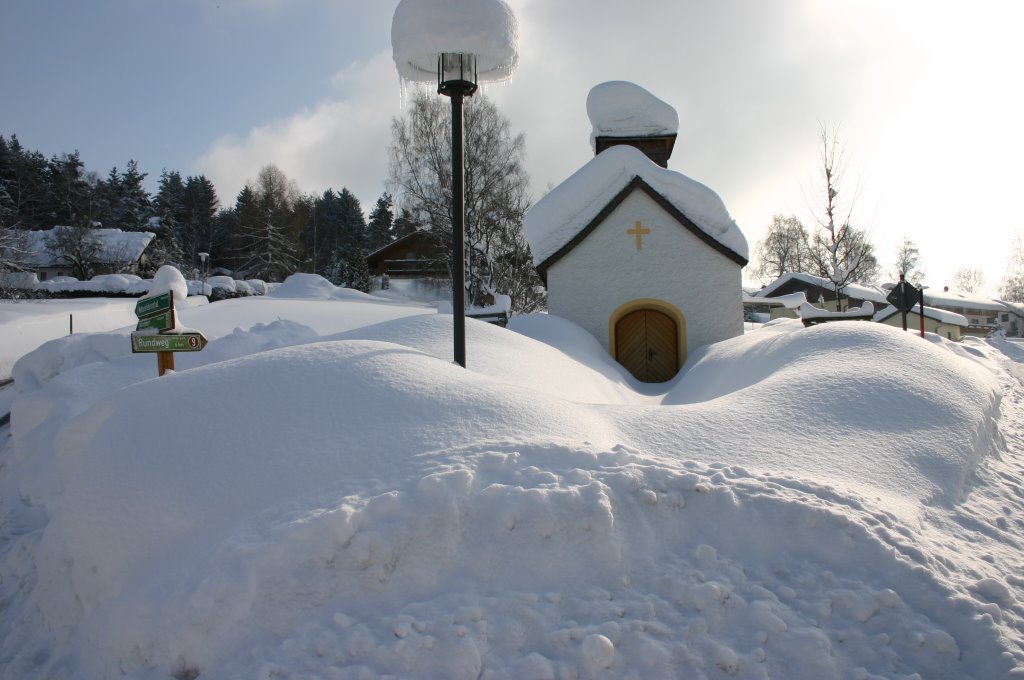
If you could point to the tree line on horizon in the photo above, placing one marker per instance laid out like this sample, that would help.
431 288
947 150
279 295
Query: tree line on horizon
271 230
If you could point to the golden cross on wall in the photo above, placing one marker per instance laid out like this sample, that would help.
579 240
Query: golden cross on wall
639 231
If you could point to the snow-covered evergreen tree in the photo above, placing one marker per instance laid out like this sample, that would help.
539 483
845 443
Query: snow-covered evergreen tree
262 244
379 228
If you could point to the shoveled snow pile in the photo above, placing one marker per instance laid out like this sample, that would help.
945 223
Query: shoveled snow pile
622 109
832 502
567 209
314 286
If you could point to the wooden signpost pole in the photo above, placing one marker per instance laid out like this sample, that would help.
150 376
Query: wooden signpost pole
164 362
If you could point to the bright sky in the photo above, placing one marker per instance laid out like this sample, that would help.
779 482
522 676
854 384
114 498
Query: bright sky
925 94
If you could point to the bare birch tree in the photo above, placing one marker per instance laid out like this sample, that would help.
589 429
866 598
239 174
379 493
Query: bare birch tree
841 252
1012 287
784 249
968 279
908 262
496 185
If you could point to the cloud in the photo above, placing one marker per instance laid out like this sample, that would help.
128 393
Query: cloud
751 81
339 142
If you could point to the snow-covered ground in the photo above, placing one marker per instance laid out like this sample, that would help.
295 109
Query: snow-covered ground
322 493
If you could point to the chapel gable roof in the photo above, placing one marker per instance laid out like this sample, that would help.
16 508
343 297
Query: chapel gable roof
569 212
638 184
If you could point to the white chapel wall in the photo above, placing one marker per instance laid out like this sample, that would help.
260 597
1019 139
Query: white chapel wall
606 270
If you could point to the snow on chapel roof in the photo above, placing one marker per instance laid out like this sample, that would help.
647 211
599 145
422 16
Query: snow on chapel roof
423 29
619 108
569 208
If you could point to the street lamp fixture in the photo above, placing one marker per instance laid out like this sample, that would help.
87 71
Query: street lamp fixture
203 257
456 73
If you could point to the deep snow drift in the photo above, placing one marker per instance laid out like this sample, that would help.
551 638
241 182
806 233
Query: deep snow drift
344 502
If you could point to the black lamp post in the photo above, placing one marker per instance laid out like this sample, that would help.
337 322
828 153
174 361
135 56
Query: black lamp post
467 42
457 79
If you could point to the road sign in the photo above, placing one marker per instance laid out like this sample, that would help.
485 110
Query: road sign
911 297
168 342
164 321
150 306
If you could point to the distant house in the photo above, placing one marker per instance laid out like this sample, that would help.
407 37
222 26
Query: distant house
764 309
949 325
115 252
821 292
1012 320
951 315
413 256
646 259
982 313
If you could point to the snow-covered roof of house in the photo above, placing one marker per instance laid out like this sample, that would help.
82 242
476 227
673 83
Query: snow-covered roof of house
571 207
423 29
854 290
622 109
953 298
790 301
809 312
115 246
940 315
1015 307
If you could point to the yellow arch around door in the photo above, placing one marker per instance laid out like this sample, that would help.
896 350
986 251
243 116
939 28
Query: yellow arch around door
657 305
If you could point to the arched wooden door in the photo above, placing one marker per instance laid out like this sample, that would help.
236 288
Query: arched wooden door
647 344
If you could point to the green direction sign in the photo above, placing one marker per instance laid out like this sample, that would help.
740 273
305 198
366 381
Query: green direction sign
161 322
153 305
178 342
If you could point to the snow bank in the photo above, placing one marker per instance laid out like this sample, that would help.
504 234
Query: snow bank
314 286
103 283
423 29
568 208
380 511
622 109
860 406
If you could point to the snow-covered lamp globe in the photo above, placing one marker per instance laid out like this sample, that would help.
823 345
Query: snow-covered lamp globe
457 43
460 43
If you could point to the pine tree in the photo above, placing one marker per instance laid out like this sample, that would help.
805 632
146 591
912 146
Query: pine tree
69 196
380 226
357 272
169 211
262 242
134 207
24 186
405 224
199 231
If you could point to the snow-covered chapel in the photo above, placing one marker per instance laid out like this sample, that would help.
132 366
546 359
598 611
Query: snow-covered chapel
646 259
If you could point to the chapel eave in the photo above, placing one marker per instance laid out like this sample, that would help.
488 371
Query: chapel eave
638 183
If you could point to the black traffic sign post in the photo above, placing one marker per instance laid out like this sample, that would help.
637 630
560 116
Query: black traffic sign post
903 297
